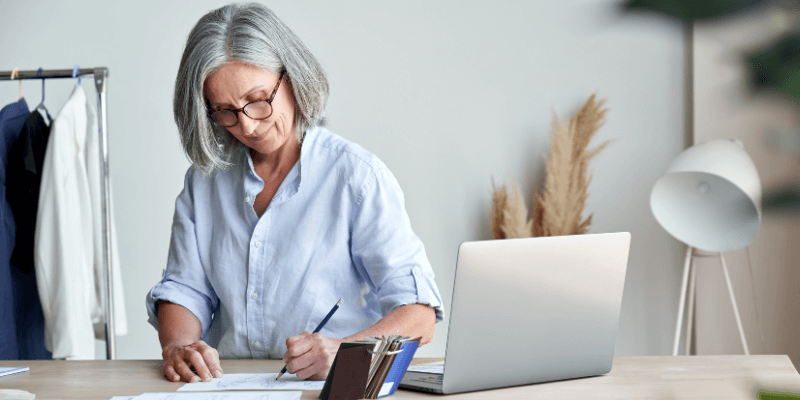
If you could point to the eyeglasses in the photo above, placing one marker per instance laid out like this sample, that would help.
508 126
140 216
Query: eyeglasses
258 110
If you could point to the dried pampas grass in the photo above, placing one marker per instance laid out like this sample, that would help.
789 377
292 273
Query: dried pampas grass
497 215
516 224
509 216
567 184
558 208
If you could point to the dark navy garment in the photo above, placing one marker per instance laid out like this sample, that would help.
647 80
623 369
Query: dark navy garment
12 118
24 174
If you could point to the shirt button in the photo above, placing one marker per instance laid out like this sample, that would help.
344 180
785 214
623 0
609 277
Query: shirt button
256 344
416 272
258 244
247 199
254 295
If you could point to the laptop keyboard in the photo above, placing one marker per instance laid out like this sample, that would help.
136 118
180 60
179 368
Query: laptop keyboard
430 379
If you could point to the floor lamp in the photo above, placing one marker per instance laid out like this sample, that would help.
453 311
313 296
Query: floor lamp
709 199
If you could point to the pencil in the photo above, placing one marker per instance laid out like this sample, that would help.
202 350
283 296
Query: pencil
319 328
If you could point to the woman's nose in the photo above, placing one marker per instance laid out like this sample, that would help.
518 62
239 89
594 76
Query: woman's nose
248 124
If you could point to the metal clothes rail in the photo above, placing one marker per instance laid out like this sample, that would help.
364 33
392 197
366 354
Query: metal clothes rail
100 77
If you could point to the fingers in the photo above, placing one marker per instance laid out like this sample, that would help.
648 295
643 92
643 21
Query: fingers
196 360
298 364
317 367
298 345
318 370
305 373
179 362
211 358
310 355
185 372
296 348
205 360
319 376
170 374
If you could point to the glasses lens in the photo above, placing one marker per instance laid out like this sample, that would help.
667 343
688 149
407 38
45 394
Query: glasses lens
258 109
224 117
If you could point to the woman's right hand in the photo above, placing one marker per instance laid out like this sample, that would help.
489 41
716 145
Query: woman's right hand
192 362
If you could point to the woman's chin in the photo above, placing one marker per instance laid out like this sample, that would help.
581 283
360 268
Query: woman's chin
266 146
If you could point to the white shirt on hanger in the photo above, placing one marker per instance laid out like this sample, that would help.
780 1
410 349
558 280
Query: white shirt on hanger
68 244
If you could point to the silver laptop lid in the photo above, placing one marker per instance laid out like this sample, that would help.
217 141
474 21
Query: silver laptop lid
534 310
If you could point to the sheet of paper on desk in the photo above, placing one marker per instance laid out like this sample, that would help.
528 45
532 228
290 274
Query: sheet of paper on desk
294 395
12 370
433 368
14 394
253 382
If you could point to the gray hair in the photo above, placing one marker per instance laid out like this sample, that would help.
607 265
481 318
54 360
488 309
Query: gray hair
253 34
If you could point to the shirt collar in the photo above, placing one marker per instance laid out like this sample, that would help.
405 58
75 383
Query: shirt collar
290 184
16 109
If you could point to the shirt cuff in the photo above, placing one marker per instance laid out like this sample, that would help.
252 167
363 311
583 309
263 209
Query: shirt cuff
396 292
178 293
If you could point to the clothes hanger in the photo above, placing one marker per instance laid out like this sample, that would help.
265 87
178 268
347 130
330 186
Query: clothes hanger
13 76
76 70
41 108
41 105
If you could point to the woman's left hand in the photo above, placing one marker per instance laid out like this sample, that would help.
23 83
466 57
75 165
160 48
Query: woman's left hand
310 355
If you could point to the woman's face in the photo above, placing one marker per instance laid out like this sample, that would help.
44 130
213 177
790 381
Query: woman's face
236 84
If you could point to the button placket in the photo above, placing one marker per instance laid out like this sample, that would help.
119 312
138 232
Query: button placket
258 228
255 310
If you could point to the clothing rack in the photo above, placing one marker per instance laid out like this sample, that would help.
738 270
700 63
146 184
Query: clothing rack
100 77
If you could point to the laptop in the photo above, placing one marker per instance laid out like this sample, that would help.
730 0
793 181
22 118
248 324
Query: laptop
531 310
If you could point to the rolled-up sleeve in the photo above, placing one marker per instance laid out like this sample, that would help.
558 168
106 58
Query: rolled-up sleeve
184 281
386 250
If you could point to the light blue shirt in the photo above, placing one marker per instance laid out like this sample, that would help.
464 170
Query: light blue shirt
336 228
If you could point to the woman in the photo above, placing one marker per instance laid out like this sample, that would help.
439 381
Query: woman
279 217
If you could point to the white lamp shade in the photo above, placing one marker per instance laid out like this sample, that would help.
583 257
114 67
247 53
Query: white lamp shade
710 197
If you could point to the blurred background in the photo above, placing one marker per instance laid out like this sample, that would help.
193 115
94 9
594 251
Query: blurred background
745 85
450 94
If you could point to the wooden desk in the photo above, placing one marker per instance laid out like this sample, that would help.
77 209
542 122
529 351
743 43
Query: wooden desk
663 377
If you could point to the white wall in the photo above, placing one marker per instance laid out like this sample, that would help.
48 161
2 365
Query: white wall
764 275
447 93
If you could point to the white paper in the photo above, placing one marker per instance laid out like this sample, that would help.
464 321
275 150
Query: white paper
221 396
432 368
123 398
387 386
253 382
14 394
12 370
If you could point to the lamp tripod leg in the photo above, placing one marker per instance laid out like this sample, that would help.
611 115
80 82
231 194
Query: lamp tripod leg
690 317
733 302
682 303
